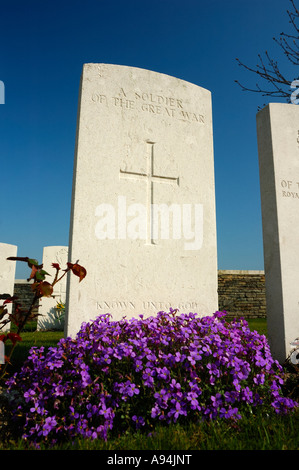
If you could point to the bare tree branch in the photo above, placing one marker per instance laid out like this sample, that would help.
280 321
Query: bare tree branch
276 83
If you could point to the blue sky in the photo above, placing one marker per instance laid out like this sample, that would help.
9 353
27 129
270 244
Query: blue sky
44 45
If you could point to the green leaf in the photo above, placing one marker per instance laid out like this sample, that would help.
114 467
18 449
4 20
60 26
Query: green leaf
33 262
40 275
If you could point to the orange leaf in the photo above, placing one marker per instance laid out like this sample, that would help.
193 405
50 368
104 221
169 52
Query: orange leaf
33 272
46 289
78 270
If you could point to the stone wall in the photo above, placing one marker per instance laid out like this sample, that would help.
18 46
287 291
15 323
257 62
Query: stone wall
23 291
241 293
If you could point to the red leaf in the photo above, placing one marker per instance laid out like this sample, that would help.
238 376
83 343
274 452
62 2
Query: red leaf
55 265
14 337
8 301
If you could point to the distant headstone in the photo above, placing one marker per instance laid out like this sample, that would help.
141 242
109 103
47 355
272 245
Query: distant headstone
278 147
143 208
7 274
2 353
49 316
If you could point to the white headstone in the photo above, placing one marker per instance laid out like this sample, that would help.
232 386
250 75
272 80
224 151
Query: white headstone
143 210
2 353
7 274
48 314
278 147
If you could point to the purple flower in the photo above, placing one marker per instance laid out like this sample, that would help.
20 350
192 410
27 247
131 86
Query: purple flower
165 367
139 421
247 395
192 398
133 390
231 397
162 373
229 413
107 412
260 361
259 379
73 413
280 405
148 375
206 350
162 396
156 412
175 386
127 389
29 395
177 410
213 369
49 424
138 365
194 357
216 400
237 385
59 390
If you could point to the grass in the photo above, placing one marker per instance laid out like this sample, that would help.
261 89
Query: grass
251 433
255 433
31 337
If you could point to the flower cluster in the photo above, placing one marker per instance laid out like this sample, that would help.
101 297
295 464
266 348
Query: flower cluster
168 368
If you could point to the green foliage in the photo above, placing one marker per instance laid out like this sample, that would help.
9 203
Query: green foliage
20 316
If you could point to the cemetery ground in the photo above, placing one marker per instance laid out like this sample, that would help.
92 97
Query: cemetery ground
256 432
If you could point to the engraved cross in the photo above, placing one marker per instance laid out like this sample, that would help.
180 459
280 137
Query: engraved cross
150 178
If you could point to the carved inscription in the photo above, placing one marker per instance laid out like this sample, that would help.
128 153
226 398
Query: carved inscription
146 305
152 103
115 304
290 189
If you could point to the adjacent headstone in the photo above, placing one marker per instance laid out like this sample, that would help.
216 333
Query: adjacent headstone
49 316
7 274
143 208
278 147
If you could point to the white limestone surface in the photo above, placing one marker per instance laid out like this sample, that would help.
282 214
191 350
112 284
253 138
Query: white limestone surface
7 274
143 208
278 147
49 316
